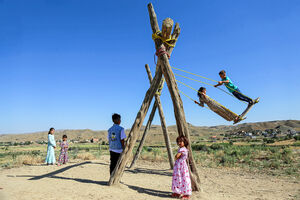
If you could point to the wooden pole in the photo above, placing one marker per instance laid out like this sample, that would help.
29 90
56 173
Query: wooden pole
162 121
147 128
163 125
182 126
132 136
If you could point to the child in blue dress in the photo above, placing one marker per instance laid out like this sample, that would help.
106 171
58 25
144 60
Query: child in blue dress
50 159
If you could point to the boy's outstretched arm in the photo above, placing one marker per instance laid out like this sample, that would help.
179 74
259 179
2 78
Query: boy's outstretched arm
221 83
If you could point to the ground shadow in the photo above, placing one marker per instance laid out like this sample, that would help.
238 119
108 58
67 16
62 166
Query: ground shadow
157 193
104 183
81 180
58 171
54 175
98 163
150 171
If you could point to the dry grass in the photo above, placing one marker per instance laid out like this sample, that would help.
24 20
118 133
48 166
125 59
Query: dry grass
28 160
150 157
85 156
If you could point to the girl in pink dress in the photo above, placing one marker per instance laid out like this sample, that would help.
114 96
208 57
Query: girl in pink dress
63 157
181 181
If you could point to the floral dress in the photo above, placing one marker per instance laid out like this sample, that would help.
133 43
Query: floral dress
181 181
63 157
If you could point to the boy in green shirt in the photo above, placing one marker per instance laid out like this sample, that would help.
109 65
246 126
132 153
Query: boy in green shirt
233 88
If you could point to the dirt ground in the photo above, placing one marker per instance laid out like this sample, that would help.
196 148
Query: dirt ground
88 180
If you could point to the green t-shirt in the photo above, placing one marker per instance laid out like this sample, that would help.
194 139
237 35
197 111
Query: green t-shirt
229 85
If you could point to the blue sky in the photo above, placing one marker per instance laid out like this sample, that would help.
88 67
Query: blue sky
71 64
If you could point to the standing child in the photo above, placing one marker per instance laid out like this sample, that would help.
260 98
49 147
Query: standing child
234 89
63 157
50 159
181 181
116 136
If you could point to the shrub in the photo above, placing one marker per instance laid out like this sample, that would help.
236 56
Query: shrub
268 140
297 137
287 156
219 146
296 144
275 164
156 152
291 170
200 147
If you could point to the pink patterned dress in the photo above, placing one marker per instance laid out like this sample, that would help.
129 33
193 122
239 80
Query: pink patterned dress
63 157
181 181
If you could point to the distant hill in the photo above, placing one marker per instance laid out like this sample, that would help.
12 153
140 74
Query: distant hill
155 133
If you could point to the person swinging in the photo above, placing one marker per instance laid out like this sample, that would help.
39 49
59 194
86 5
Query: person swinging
215 106
234 89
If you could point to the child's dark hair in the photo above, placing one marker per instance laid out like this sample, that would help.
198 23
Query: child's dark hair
116 117
64 136
222 72
50 130
200 90
182 139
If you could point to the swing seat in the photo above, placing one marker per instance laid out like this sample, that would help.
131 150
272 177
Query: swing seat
242 116
219 109
225 112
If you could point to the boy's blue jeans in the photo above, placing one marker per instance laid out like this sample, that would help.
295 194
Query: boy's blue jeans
238 94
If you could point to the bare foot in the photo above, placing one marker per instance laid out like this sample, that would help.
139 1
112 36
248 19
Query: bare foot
175 195
236 119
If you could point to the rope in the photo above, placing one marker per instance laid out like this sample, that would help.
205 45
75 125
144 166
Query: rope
190 98
161 51
195 74
207 84
166 41
206 95
211 84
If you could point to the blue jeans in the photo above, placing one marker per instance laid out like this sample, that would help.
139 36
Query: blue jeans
238 94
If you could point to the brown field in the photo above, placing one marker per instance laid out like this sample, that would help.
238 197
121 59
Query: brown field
149 180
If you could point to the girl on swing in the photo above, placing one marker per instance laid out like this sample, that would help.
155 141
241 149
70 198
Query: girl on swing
214 106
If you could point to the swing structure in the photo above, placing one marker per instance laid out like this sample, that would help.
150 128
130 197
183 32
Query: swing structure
165 41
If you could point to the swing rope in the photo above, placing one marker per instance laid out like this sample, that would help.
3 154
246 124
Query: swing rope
208 83
194 74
